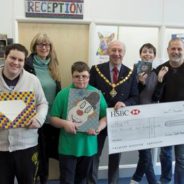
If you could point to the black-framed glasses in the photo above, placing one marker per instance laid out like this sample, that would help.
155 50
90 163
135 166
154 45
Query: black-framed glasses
42 45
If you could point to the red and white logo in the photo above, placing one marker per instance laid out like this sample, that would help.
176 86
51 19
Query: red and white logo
135 111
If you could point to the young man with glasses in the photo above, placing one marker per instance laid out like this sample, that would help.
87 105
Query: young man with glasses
76 149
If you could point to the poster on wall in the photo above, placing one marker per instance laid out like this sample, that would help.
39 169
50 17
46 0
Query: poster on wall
72 9
178 35
103 36
3 44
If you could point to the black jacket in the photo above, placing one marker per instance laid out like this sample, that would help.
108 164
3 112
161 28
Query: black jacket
127 92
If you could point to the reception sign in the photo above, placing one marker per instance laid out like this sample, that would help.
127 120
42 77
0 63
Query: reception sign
54 8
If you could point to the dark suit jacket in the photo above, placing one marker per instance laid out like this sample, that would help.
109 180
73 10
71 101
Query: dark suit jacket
127 92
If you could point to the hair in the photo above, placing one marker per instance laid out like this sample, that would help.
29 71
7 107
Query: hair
117 42
16 46
53 64
175 39
148 46
79 66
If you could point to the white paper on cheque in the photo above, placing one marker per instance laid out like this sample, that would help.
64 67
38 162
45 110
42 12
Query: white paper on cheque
145 126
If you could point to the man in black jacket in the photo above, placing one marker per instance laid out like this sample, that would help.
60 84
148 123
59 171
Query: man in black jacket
170 88
119 86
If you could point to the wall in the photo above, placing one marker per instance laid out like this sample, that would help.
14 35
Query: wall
6 17
70 42
157 12
130 11
160 14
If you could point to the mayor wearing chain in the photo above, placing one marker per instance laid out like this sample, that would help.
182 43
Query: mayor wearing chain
118 84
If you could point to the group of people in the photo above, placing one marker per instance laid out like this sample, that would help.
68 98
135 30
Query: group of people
25 152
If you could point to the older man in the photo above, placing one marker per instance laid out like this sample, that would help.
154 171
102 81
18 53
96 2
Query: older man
119 86
170 88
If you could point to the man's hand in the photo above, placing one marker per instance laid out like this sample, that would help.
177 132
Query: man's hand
70 127
34 123
119 105
92 131
142 77
162 73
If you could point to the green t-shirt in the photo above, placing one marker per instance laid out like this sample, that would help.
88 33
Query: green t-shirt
80 144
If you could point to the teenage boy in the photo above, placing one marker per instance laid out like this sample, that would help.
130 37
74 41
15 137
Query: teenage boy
76 149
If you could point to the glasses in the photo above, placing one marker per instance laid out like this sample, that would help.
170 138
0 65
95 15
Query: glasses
41 45
87 108
83 77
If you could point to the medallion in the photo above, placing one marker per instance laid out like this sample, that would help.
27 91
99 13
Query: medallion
113 92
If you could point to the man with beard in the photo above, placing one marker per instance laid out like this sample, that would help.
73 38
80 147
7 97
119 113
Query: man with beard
170 88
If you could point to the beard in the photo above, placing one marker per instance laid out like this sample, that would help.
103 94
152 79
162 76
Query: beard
176 58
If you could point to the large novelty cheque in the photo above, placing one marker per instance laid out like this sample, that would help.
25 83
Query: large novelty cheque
16 109
145 126
83 108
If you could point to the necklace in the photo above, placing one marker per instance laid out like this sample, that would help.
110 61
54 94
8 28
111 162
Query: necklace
113 92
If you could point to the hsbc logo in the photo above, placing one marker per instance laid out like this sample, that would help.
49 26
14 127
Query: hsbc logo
123 112
135 111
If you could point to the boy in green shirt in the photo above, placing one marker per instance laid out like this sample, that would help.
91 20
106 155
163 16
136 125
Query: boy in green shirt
76 149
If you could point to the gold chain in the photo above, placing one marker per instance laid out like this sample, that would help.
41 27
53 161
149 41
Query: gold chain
113 85
113 92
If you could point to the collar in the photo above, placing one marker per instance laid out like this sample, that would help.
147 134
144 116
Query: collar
41 62
111 66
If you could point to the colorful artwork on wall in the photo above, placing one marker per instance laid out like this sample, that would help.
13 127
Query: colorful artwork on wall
3 44
179 35
103 36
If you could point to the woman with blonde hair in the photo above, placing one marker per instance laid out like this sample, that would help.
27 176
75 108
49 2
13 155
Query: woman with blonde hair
44 64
